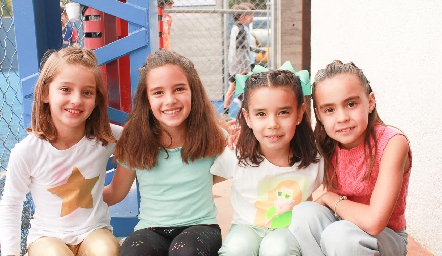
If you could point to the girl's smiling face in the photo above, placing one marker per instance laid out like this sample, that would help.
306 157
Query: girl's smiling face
343 106
273 121
71 97
169 95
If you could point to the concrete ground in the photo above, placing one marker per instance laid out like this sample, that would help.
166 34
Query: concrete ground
225 213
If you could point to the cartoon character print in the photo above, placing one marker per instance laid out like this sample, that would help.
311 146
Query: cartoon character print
275 211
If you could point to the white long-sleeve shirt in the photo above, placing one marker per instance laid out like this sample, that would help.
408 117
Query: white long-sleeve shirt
66 186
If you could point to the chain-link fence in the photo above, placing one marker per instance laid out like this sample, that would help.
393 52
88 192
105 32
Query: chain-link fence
11 123
201 31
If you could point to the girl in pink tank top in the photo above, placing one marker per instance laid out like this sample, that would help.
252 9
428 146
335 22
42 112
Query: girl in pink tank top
367 169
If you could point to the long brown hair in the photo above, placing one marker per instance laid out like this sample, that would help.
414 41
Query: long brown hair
302 145
97 125
326 145
140 145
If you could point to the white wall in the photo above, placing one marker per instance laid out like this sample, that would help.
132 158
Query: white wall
398 44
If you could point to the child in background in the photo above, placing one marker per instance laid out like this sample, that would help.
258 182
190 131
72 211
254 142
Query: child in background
274 167
367 172
167 21
169 142
239 56
69 34
62 162
250 37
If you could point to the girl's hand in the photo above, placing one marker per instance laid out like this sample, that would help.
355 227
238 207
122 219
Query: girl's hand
320 201
326 199
233 134
217 179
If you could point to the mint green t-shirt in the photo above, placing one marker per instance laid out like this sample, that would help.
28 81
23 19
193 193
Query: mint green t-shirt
174 193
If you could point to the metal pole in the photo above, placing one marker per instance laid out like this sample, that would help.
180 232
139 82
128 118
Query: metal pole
272 20
225 47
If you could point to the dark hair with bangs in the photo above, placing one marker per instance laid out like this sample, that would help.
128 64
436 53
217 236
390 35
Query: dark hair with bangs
302 145
326 145
139 144
98 124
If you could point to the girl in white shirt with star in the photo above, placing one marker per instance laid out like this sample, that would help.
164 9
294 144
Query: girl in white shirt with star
62 162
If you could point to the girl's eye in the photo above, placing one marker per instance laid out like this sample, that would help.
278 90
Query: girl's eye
157 93
328 110
260 114
89 93
179 89
284 112
351 104
64 89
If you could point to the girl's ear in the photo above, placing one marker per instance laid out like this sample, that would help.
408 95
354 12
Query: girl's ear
371 102
301 111
247 117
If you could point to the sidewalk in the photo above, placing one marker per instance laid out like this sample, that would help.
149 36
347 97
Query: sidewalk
225 213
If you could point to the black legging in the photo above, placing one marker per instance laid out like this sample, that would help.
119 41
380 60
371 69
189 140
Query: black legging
202 240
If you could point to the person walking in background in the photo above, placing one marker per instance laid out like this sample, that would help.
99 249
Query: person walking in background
62 162
367 172
167 22
275 165
169 142
239 53
251 38
69 34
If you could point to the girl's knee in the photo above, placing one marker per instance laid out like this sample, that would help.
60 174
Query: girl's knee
100 242
344 236
241 240
51 251
278 249
279 242
110 248
340 231
306 214
237 249
49 246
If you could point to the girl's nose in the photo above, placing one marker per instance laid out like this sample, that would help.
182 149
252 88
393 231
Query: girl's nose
75 98
170 98
273 122
343 116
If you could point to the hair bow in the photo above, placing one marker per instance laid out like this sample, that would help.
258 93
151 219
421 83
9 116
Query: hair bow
303 75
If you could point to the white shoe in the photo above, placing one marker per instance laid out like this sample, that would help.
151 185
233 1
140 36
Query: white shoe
227 117
237 101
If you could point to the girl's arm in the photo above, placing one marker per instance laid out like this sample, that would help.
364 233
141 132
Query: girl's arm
373 218
120 185
217 179
17 185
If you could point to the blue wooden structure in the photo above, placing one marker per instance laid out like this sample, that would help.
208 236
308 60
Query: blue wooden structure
38 28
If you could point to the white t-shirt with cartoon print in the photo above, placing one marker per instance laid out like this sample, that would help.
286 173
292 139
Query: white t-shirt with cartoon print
66 186
264 196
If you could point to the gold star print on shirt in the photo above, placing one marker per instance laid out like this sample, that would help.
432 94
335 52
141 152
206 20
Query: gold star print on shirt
76 193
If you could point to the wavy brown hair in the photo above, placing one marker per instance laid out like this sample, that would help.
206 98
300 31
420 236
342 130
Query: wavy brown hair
326 145
140 142
302 145
97 124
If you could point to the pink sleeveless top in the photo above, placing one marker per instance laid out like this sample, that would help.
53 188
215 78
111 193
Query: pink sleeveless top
351 169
